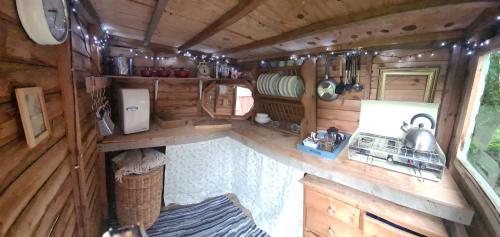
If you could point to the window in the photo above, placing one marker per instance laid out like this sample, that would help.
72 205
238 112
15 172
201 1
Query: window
481 150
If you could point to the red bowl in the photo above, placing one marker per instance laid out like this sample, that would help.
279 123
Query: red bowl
163 72
182 73
146 72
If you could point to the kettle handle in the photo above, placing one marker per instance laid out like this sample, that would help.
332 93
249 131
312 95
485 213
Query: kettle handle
424 115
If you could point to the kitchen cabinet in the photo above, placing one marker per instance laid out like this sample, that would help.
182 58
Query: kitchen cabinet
336 210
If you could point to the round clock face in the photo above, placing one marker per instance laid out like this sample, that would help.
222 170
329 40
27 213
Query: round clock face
45 21
204 70
55 13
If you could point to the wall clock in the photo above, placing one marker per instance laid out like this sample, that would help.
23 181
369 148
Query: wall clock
45 21
203 70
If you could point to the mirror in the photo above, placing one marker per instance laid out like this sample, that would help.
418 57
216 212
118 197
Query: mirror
407 84
228 100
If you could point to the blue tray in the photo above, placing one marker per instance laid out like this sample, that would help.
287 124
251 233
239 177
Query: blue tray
325 154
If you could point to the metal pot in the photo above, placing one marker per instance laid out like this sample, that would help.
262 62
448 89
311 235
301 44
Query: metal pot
123 65
420 138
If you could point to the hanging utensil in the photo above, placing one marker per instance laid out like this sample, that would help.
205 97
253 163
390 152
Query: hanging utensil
104 122
349 63
341 86
357 86
326 87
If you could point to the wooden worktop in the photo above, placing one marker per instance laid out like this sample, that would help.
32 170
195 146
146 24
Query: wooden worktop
442 199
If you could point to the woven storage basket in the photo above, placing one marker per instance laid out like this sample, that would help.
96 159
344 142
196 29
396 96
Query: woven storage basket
138 198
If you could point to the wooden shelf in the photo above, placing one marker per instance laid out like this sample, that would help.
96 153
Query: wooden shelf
273 97
277 69
173 78
161 78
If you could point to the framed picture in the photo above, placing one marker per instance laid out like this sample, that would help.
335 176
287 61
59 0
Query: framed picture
36 124
410 84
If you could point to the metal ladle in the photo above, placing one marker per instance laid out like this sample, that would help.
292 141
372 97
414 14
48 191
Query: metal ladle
357 86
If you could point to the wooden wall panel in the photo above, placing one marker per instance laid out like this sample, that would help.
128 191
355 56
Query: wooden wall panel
343 113
178 98
19 193
33 181
85 62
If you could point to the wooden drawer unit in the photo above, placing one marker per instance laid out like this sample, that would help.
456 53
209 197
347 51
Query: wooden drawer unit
325 226
377 228
329 208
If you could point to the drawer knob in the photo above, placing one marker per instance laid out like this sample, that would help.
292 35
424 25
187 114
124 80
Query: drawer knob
331 231
331 210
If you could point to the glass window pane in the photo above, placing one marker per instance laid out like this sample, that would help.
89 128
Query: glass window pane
484 145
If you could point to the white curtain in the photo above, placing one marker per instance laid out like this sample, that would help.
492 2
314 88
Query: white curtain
269 189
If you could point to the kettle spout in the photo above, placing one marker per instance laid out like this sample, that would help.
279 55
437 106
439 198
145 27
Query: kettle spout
404 127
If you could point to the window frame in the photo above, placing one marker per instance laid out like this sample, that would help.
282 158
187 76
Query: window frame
476 184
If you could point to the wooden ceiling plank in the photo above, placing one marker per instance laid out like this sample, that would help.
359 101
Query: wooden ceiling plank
137 44
243 8
155 18
344 20
484 25
370 43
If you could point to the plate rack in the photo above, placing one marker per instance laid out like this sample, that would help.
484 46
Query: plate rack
289 110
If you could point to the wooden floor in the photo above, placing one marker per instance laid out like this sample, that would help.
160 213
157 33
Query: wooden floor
442 199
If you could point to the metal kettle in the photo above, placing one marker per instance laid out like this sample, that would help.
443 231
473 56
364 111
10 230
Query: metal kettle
420 138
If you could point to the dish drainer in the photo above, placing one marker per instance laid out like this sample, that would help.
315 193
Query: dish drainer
290 110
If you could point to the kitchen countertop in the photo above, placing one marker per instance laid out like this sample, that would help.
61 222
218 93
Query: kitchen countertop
442 199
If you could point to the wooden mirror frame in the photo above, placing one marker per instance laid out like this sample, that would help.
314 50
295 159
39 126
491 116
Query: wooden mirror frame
240 83
430 73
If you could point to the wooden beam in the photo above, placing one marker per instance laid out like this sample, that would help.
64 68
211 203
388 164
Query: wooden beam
155 18
343 21
369 43
243 8
484 26
450 102
137 44
88 12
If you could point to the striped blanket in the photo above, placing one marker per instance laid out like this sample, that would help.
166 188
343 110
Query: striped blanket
213 217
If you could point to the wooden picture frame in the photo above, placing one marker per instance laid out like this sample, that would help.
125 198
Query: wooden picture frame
430 88
31 105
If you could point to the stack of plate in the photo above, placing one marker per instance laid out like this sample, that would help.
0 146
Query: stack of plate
277 84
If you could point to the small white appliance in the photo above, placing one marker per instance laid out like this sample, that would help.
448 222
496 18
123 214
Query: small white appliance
134 110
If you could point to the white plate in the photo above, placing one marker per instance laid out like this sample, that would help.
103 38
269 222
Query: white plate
299 88
280 85
271 83
274 84
291 86
264 84
284 85
259 83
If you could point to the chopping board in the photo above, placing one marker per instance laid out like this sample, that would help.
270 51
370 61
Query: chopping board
212 124
165 120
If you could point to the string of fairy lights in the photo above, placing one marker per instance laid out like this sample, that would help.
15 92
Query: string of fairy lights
470 48
100 41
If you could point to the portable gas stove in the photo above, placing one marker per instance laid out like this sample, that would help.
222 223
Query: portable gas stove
390 153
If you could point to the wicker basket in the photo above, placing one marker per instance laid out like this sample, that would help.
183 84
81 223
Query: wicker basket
138 198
